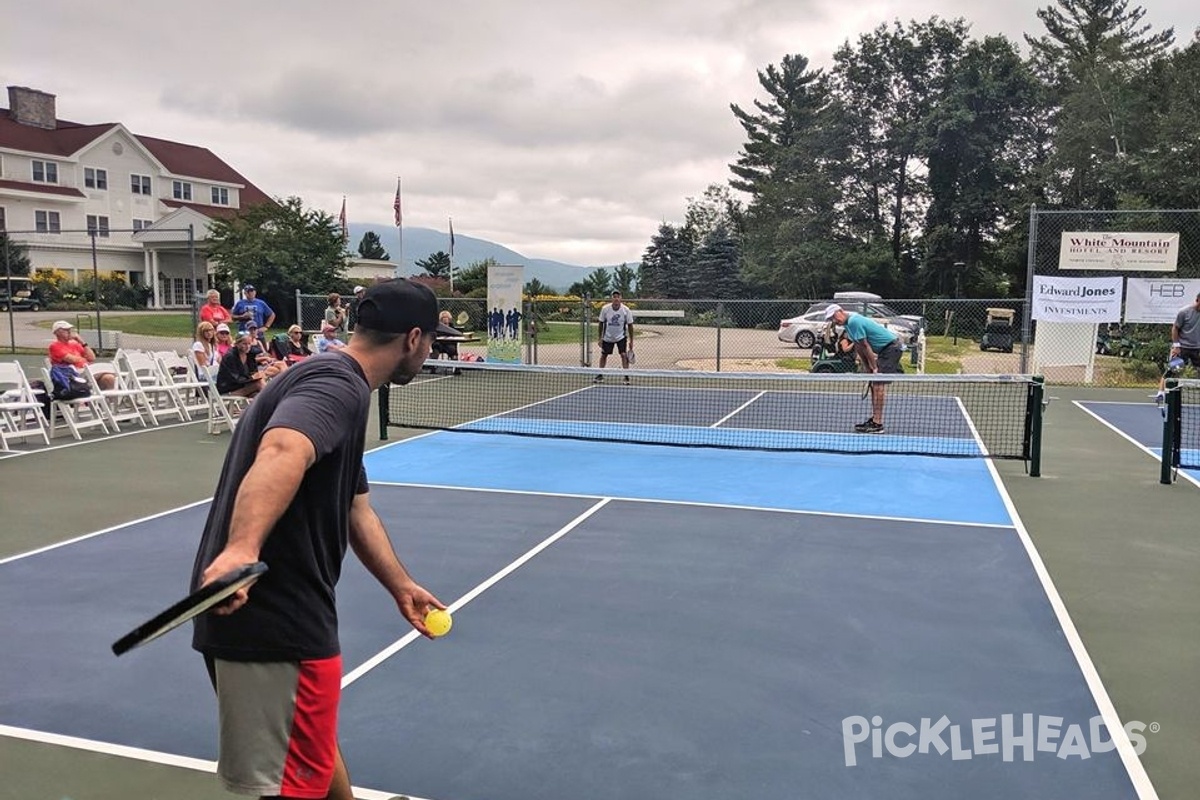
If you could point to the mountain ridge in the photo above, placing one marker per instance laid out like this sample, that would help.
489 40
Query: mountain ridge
420 243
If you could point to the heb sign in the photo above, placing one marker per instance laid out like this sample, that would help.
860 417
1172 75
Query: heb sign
1128 252
1158 299
1077 299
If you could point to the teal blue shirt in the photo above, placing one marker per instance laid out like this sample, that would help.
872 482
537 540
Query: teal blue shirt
859 327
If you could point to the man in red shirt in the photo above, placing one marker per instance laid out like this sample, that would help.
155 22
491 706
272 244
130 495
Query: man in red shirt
212 311
71 350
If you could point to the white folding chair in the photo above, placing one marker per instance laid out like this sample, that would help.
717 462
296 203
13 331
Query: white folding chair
79 414
20 411
224 409
180 371
156 394
121 403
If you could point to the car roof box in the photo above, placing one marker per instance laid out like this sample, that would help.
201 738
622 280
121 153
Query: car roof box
857 297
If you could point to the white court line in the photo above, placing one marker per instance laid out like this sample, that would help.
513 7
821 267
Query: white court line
697 504
735 412
412 636
1133 765
1147 450
76 539
108 437
149 756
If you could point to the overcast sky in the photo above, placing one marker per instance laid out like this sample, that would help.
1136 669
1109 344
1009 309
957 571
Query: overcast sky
563 130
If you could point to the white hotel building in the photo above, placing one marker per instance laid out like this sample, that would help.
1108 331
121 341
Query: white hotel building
60 179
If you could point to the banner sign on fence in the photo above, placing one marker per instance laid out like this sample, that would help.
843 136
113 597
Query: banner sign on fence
505 287
1128 252
1077 299
1158 299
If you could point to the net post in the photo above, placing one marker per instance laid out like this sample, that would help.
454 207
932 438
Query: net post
1033 424
1172 425
385 393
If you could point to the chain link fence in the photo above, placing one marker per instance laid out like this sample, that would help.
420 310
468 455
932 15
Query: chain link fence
1111 353
945 336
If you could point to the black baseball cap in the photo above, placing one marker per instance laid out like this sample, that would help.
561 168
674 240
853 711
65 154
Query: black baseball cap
398 306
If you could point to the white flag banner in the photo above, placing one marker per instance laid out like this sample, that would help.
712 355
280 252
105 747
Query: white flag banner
1129 252
504 324
1158 299
1077 299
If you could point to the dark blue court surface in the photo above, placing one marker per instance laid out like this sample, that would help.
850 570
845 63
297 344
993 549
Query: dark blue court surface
1140 424
617 635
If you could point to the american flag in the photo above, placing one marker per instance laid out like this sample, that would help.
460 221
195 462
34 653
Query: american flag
452 238
396 205
342 220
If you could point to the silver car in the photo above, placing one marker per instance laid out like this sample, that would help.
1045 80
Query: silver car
804 329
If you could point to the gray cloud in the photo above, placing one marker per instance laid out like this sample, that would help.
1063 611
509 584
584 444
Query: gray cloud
564 130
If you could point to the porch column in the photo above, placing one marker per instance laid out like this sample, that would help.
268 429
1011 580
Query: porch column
152 279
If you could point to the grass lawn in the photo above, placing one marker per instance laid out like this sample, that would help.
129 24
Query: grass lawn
163 325
942 357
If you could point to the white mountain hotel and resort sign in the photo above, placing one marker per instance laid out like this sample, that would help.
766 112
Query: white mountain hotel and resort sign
1128 252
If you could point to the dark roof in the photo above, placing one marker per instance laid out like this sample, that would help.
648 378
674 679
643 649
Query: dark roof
200 162
64 140
43 188
223 212
180 159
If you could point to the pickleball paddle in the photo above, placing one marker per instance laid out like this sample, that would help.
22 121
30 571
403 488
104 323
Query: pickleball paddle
195 604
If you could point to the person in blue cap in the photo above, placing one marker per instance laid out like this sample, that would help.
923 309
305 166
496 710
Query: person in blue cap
250 309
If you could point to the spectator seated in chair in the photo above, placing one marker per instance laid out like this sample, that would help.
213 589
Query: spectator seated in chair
445 345
239 373
328 339
69 349
269 366
291 348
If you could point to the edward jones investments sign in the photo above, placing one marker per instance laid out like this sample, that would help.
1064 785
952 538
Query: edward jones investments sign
1131 252
1077 299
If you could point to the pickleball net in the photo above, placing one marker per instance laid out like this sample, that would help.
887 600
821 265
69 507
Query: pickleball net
1181 431
992 416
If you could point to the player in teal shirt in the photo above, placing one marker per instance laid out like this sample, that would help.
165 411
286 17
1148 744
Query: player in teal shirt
879 350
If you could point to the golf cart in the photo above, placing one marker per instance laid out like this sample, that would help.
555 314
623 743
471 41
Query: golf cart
998 331
830 353
19 294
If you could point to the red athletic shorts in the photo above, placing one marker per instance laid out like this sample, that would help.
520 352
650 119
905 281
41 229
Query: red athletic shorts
278 725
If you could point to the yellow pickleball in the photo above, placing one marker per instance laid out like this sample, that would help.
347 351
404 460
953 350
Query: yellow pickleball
438 622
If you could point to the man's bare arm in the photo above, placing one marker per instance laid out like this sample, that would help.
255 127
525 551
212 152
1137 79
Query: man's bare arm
374 549
283 456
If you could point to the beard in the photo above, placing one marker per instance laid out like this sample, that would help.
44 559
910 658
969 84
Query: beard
410 366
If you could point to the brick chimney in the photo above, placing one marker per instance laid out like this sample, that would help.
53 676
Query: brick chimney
31 107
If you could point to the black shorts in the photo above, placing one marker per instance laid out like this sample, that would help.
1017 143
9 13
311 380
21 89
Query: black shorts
888 360
607 347
1190 355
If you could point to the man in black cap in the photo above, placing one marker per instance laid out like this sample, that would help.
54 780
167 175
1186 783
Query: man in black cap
293 493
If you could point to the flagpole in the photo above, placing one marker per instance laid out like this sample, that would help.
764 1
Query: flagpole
399 225
452 255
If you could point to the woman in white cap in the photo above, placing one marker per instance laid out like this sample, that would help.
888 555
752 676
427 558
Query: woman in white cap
224 340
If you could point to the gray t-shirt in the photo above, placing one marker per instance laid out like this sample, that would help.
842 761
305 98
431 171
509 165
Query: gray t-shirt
292 614
1187 323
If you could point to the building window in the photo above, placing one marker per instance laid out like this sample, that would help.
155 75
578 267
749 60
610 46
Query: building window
95 178
45 172
142 224
97 225
47 221
182 190
139 184
220 196
2 220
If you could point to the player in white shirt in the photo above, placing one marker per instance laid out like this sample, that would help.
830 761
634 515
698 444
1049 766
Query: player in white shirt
616 330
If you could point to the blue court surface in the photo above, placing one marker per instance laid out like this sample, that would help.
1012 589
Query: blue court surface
631 621
1140 424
